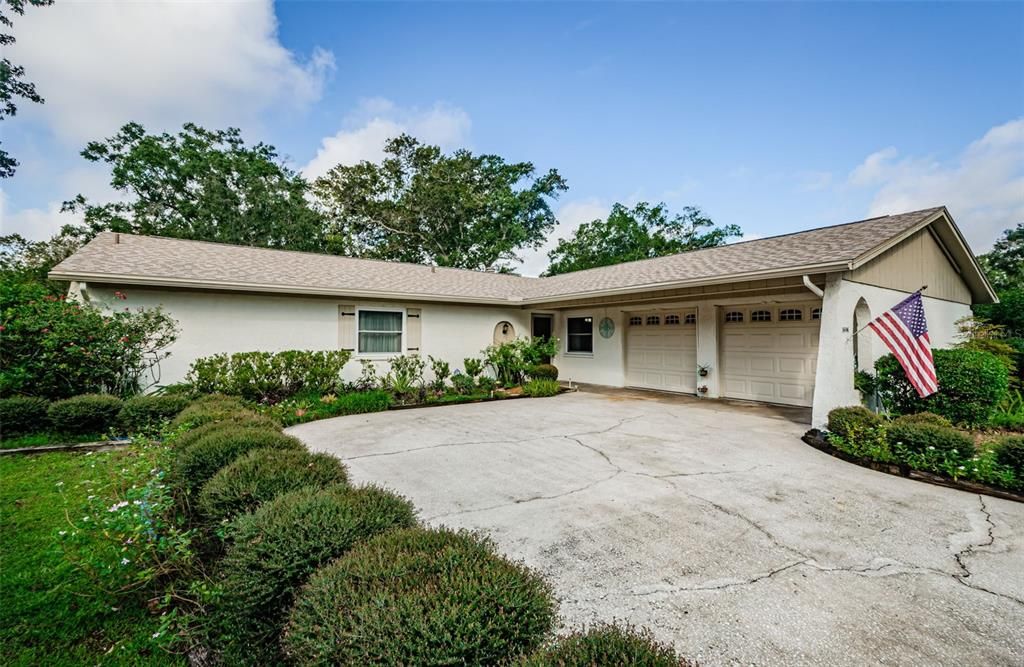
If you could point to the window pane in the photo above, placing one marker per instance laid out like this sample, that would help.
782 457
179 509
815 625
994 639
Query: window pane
382 343
581 342
374 320
581 325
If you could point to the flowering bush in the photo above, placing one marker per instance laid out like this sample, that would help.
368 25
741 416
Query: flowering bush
56 349
512 361
267 377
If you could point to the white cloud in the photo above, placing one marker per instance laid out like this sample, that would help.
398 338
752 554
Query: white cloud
570 216
101 64
376 120
34 223
983 187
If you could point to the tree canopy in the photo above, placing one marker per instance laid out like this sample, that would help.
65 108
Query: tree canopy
420 205
12 82
204 185
641 232
1004 265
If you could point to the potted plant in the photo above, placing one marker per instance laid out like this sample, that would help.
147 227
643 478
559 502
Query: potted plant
703 370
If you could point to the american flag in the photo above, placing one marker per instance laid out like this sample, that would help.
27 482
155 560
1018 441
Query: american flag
904 331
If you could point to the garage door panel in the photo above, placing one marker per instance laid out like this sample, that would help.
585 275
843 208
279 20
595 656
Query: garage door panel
771 361
662 356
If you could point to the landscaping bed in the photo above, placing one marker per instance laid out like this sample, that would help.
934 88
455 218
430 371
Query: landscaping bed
818 439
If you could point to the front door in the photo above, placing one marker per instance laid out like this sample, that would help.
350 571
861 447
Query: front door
542 326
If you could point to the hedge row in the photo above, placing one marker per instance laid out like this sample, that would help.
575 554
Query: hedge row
88 414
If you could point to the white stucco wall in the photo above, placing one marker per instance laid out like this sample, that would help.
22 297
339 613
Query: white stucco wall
834 381
607 364
214 322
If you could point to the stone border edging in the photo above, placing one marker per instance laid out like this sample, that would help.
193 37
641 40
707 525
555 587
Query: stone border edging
815 439
98 446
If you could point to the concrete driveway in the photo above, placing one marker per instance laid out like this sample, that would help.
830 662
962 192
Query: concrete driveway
712 524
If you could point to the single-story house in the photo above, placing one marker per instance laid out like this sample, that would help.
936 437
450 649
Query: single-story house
771 320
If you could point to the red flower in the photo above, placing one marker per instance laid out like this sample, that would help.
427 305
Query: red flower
124 339
120 295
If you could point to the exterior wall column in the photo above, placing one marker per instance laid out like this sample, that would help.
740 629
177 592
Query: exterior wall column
833 380
707 348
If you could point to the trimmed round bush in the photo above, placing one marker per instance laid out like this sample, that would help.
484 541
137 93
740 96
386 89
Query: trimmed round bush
972 384
420 597
146 413
544 372
846 422
244 419
23 414
277 547
197 464
607 644
1010 452
925 438
85 414
262 475
924 418
211 408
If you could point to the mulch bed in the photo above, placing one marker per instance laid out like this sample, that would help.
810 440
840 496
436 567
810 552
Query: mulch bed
485 399
816 438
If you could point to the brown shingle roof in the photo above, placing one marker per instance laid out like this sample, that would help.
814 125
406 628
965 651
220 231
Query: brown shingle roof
162 261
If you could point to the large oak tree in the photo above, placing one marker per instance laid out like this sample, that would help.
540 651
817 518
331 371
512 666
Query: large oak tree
641 232
12 82
201 184
420 205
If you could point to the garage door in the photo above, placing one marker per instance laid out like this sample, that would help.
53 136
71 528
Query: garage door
661 350
770 353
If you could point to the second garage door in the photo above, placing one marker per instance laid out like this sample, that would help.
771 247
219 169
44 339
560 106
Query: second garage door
661 351
770 353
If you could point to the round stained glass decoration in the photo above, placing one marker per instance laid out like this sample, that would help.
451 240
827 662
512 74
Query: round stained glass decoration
606 327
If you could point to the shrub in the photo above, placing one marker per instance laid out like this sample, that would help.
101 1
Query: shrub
195 465
539 388
215 407
922 438
924 418
186 439
544 372
148 413
262 475
485 384
1010 453
278 546
463 383
23 414
406 374
58 349
972 384
849 421
442 370
267 377
419 597
86 414
606 645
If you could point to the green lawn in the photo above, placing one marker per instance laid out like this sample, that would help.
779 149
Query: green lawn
50 614
43 439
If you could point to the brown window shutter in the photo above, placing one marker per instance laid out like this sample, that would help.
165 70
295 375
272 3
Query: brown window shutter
414 326
347 328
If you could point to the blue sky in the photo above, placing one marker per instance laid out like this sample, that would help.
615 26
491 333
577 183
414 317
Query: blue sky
776 117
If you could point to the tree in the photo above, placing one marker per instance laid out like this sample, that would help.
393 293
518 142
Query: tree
1004 266
203 185
419 205
24 261
12 83
642 232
